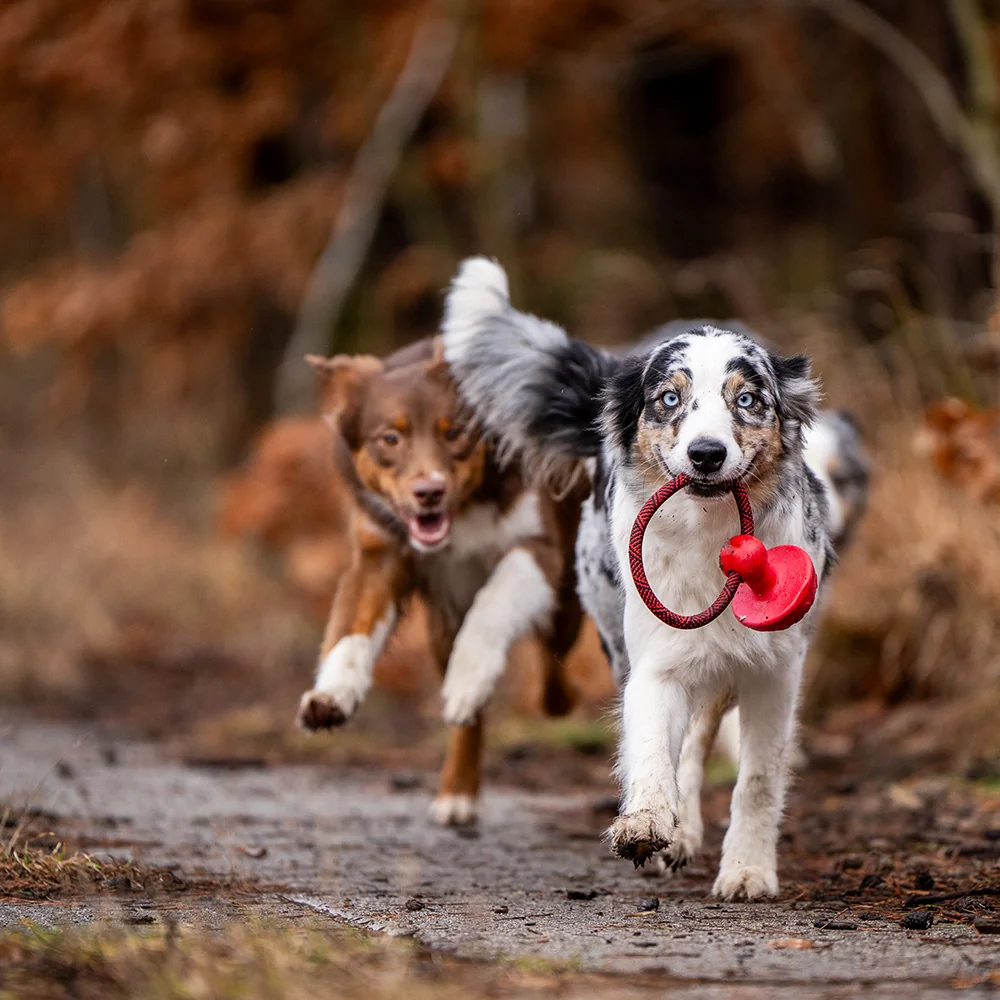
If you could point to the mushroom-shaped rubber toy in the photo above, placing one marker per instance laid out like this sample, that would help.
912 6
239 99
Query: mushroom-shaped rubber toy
779 584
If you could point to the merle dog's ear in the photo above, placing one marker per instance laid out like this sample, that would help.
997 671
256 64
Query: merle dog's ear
798 391
345 379
624 399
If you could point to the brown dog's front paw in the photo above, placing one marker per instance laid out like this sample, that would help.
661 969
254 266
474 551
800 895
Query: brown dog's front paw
319 711
637 836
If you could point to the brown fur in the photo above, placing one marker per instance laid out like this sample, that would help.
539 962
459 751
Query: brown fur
399 424
762 440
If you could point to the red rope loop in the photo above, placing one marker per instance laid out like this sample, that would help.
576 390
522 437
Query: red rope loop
733 580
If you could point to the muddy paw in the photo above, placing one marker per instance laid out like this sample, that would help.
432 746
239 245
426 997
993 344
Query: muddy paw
318 710
745 882
637 836
453 810
684 847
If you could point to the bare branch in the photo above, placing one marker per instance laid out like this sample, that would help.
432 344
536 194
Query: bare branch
939 98
364 193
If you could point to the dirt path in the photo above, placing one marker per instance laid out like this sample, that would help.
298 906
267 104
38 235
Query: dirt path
533 882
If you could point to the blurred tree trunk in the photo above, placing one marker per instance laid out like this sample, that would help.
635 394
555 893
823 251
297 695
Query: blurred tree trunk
941 213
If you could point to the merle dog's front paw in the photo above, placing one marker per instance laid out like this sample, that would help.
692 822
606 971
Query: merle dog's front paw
749 882
637 836
318 710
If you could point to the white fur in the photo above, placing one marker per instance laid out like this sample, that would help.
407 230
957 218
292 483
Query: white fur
477 317
479 289
345 675
453 810
516 598
484 528
707 413
728 741
820 452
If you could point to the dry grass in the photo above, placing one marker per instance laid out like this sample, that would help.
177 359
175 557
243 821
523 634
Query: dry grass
263 962
32 866
36 864
913 611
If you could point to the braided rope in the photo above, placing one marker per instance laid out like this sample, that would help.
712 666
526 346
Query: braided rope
733 580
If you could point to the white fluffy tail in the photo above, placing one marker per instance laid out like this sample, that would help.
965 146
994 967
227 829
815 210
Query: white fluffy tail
531 386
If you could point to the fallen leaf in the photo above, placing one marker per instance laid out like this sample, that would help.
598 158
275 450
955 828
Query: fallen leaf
904 798
969 982
792 944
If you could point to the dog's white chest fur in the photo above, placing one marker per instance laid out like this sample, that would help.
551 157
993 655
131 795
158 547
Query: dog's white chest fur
481 535
681 558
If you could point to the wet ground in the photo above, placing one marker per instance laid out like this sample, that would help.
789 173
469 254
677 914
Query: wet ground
534 880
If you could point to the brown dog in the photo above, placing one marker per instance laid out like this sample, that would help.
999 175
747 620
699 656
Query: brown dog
434 514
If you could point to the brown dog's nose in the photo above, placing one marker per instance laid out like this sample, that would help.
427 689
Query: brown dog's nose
428 492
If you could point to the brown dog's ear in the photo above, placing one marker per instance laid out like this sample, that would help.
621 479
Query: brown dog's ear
437 366
345 379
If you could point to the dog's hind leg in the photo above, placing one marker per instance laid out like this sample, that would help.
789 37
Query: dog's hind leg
457 800
767 701
690 775
558 696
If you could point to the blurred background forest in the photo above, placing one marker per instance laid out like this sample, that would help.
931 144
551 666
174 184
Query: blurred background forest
173 171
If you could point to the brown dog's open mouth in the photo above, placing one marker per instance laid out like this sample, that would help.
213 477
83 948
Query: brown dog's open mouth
429 530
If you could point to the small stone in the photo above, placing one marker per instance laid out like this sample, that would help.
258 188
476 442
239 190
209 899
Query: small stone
917 920
413 905
581 893
405 782
501 909
648 905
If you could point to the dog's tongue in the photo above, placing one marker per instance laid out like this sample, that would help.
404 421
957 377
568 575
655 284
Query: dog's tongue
429 529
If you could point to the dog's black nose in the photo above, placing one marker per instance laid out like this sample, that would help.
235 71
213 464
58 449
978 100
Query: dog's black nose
707 454
428 492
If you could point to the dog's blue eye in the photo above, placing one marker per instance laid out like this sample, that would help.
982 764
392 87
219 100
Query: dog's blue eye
746 400
671 399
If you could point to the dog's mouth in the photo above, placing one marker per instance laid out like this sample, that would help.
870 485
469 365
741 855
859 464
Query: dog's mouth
707 490
429 531
711 487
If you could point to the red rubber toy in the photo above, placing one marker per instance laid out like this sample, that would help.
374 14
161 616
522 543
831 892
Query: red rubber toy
769 589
